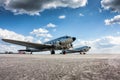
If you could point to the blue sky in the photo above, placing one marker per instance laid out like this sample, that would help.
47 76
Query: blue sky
93 22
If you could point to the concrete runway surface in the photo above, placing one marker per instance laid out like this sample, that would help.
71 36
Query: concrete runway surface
59 67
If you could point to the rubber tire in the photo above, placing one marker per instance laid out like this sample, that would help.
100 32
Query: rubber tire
84 53
64 52
52 52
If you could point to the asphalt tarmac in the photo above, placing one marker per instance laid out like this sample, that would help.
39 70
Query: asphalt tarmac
59 67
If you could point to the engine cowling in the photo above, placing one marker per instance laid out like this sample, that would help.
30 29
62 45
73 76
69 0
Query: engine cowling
58 43
69 46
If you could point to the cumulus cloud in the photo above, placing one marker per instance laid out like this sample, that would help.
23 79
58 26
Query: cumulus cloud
108 44
51 25
13 48
114 5
39 41
41 32
33 7
4 33
47 39
41 35
115 20
62 17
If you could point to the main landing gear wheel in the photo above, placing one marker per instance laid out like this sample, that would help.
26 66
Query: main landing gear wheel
30 52
63 52
52 52
82 53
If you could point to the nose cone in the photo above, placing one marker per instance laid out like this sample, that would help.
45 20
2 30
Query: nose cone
74 38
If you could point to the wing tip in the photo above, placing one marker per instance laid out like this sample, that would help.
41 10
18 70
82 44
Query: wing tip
3 39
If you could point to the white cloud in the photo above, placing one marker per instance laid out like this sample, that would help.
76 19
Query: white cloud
13 48
51 25
115 20
4 33
46 39
40 30
32 7
39 41
41 33
81 14
62 17
108 44
114 5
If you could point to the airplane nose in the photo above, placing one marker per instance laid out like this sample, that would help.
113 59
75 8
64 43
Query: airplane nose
74 38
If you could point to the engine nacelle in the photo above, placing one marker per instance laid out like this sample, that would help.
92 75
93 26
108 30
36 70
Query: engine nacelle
58 43
69 46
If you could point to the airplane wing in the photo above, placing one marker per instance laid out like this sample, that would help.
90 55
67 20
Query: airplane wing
28 44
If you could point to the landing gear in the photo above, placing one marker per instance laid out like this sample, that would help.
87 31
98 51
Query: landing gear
21 52
30 52
64 52
82 53
52 52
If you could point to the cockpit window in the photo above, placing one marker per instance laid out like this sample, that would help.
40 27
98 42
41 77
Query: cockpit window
67 37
